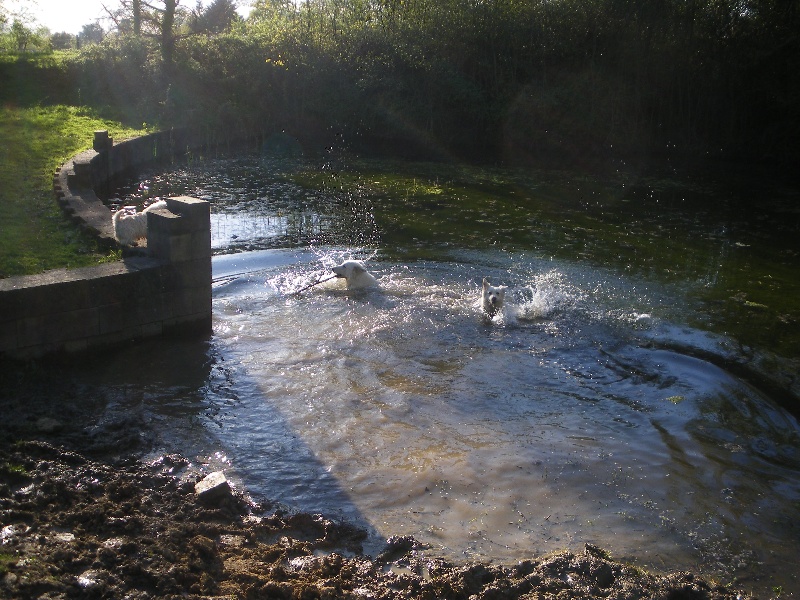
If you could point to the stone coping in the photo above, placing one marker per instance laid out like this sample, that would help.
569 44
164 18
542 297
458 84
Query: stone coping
80 202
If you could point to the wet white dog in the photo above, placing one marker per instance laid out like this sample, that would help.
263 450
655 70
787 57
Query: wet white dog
492 298
355 274
130 226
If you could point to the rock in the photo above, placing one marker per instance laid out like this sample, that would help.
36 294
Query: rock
7 534
398 545
88 579
213 488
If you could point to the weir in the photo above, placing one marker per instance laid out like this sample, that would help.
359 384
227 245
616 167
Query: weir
148 293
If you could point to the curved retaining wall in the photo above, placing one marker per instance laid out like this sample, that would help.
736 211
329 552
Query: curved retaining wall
152 291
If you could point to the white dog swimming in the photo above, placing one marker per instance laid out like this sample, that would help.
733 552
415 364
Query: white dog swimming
130 226
492 298
355 274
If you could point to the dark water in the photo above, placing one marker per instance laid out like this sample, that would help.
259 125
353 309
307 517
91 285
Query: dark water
632 394
730 243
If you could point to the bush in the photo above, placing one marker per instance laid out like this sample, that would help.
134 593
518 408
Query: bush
475 79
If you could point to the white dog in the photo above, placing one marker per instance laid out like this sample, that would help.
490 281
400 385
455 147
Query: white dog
355 274
130 226
156 206
492 298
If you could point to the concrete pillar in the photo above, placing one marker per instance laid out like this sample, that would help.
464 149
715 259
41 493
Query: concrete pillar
181 235
101 141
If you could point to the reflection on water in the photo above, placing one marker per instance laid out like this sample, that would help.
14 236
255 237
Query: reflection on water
731 244
572 417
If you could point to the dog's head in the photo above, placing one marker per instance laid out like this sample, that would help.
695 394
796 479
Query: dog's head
493 297
349 269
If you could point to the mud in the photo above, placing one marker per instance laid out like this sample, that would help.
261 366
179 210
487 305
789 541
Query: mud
83 516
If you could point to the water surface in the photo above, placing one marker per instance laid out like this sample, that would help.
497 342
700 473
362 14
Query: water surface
596 408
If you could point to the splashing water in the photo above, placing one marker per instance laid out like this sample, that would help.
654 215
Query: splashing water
591 409
558 422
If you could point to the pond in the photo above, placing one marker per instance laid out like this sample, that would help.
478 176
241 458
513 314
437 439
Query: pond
635 392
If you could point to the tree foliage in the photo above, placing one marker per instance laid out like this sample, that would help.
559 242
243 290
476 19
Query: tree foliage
63 41
514 79
20 38
91 33
217 18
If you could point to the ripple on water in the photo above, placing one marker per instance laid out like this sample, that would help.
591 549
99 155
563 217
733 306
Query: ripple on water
559 423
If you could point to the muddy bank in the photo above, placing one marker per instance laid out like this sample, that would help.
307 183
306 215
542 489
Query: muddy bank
76 527
82 516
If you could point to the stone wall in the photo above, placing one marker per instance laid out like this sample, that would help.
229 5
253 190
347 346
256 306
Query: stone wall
79 180
148 293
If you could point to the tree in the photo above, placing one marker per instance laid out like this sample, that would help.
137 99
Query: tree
272 11
91 33
154 18
167 33
3 17
62 41
21 35
136 10
217 18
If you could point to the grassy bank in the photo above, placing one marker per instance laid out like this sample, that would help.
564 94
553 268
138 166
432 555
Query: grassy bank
34 234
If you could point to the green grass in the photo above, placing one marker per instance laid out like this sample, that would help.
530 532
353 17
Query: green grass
35 236
13 472
6 559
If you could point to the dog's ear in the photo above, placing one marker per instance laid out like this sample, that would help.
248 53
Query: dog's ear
485 283
357 268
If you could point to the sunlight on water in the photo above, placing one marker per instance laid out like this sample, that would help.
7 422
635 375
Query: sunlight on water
553 424
591 409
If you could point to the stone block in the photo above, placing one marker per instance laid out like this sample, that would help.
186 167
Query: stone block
112 291
151 308
82 174
62 297
180 248
114 338
9 301
195 273
195 212
182 232
78 345
111 318
154 329
195 324
101 141
192 301
56 328
8 336
213 488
